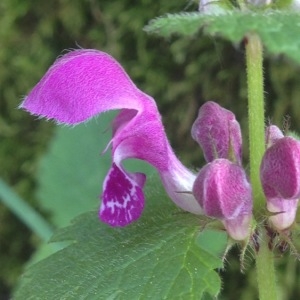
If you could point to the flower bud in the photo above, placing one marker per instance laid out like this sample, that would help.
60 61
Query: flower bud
218 133
280 178
223 192
280 169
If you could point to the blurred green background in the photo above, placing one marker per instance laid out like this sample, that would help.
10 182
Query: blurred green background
180 73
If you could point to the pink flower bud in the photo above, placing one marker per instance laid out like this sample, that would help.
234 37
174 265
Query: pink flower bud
218 133
280 169
280 177
223 191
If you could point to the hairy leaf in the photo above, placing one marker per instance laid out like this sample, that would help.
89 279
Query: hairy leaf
278 29
161 256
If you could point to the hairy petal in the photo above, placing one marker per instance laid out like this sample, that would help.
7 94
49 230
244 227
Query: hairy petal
80 85
223 191
122 198
218 133
240 227
280 177
286 212
85 83
280 169
143 137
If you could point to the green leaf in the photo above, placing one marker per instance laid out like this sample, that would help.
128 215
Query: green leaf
279 30
158 257
72 171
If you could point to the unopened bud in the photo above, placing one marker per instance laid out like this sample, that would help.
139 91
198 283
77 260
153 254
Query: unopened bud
280 178
218 133
280 169
224 193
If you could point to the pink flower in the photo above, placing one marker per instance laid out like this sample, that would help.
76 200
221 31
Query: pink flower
222 187
224 193
85 83
218 133
280 177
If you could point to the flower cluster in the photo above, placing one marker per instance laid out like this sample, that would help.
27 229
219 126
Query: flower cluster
85 83
222 187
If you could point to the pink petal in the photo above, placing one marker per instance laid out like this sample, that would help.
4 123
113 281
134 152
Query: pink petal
143 137
85 83
218 133
223 190
286 210
122 198
280 169
273 134
80 85
240 227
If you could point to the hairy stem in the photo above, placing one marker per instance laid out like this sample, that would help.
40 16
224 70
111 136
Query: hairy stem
264 260
255 116
265 271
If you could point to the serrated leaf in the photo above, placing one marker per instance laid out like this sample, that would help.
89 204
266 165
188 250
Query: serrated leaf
279 30
157 257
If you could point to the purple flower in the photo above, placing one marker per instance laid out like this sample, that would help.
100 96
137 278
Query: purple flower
280 177
280 169
218 133
222 187
224 193
85 83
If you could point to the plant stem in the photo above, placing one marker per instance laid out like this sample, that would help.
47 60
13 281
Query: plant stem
264 260
265 271
255 115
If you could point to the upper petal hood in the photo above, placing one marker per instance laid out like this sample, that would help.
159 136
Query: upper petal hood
80 85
